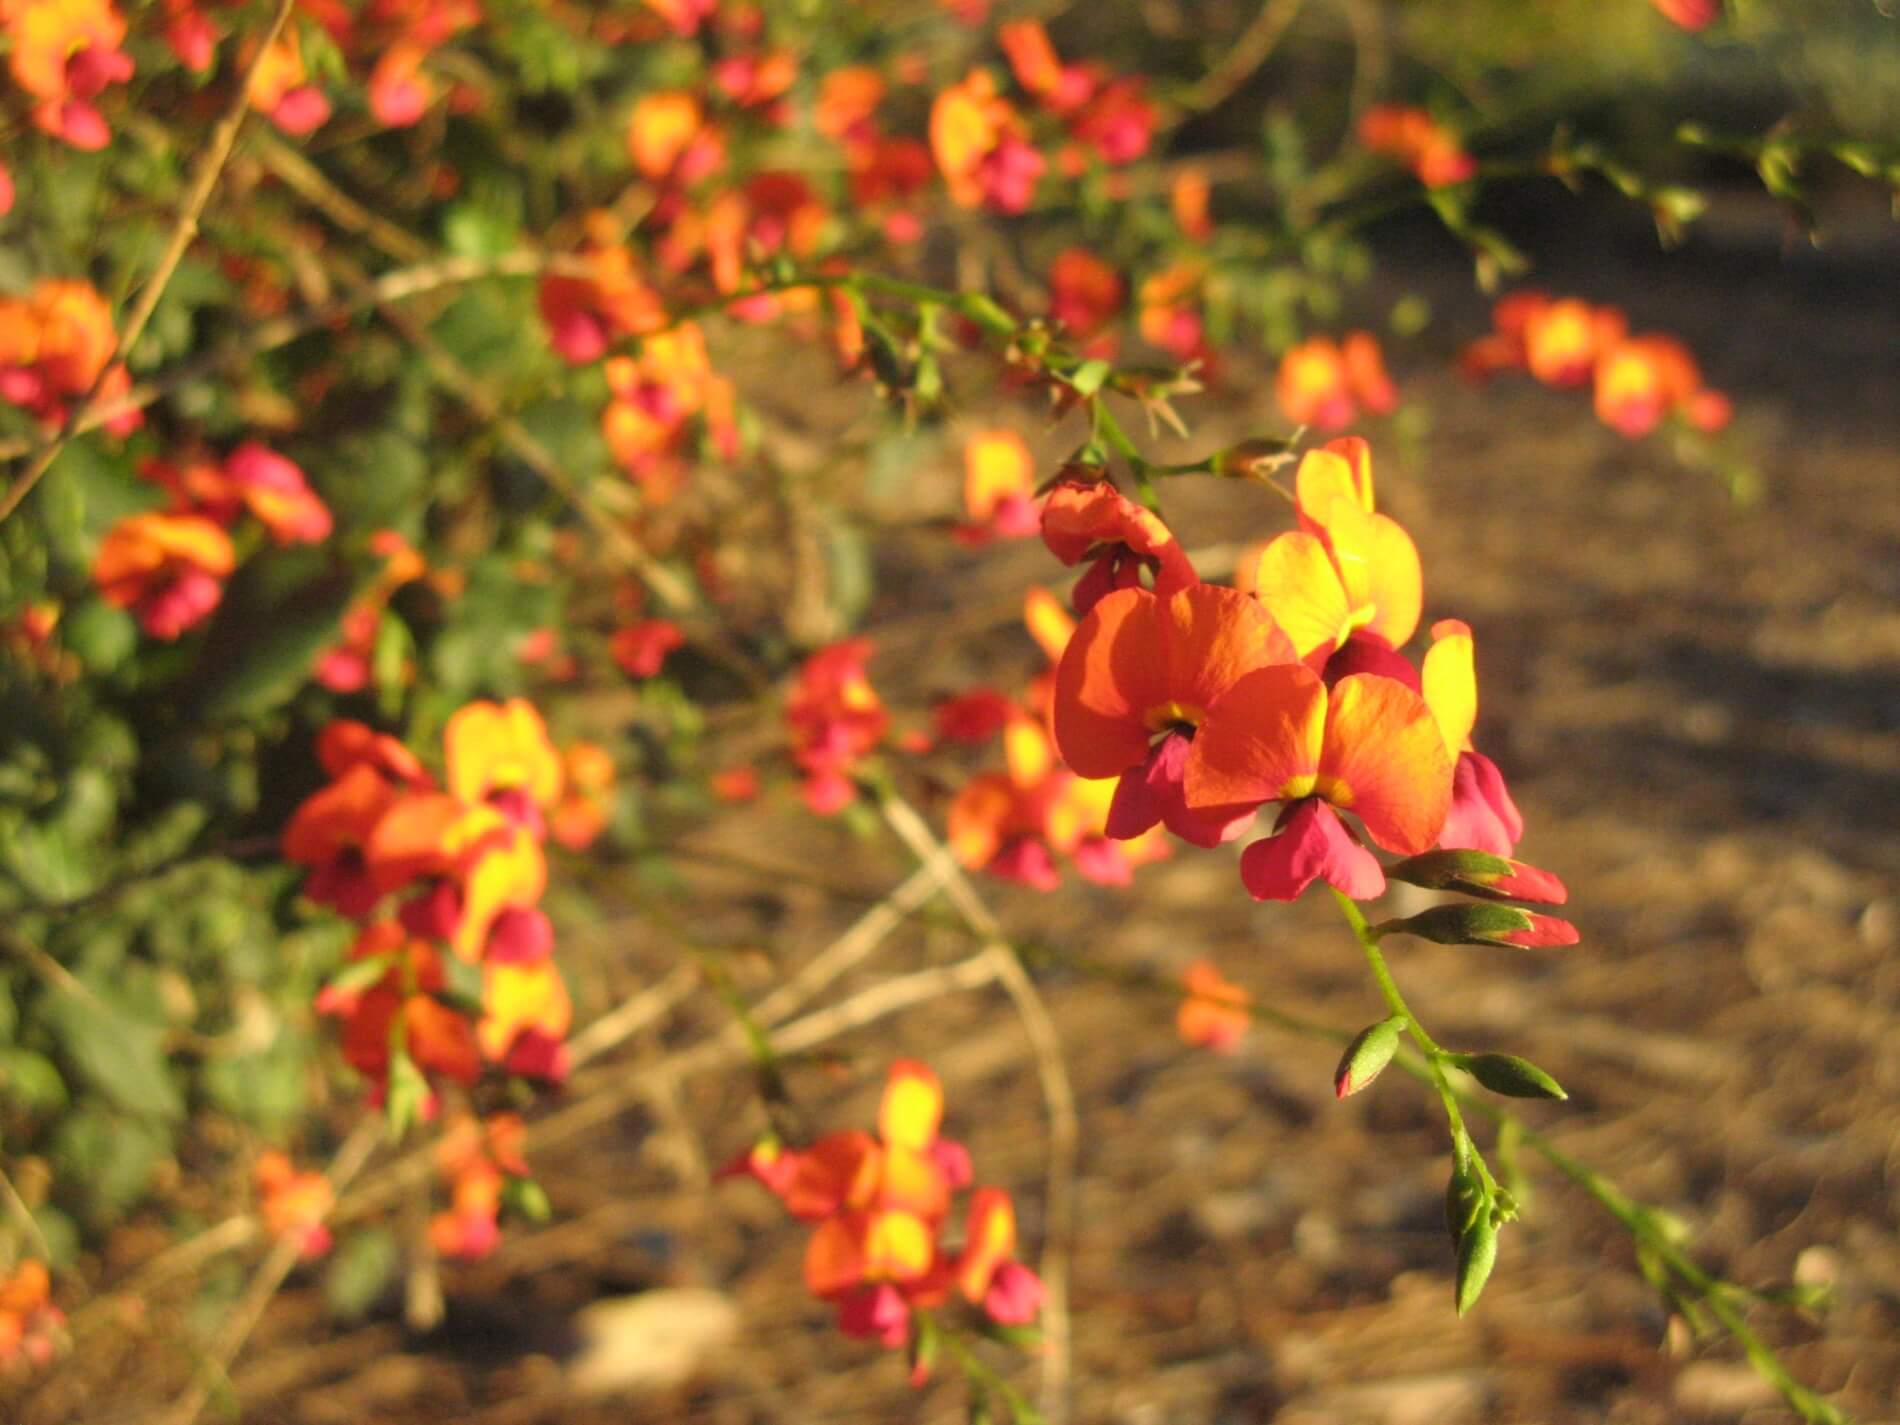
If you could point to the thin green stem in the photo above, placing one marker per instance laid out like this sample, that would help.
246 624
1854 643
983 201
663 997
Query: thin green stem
1434 1056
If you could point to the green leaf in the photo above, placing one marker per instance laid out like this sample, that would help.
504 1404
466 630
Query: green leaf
256 659
121 1056
1089 376
31 1081
408 1091
361 1271
358 975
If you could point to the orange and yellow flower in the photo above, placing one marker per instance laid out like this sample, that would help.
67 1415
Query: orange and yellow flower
168 569
1327 384
1136 683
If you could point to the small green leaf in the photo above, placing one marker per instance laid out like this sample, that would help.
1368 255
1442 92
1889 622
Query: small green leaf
361 1271
121 1056
1089 376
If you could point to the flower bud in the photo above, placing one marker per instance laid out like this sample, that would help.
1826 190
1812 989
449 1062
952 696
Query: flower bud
1479 873
1477 1254
1464 1202
1468 924
1254 459
1368 1054
1509 1075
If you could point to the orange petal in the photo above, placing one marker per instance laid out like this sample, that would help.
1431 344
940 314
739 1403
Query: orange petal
988 1241
1262 741
835 1256
1450 682
838 1171
1385 761
1107 673
1298 583
912 1107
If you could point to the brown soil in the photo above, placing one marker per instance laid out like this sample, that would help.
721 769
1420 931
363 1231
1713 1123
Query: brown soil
1699 711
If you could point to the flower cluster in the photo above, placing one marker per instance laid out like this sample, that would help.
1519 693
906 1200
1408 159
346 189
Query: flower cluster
294 1204
453 967
879 1205
169 566
1207 703
32 1329
1637 381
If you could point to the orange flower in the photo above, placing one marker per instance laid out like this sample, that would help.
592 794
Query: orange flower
1349 576
847 101
586 315
1188 200
1093 520
1134 687
1326 383
977 140
30 1325
1432 151
1169 316
1085 293
500 754
280 89
168 569
399 92
1563 339
999 488
526 1014
1691 15
295 1204
400 1012
1642 379
1214 1013
836 719
663 132
330 833
65 53
1370 745
581 814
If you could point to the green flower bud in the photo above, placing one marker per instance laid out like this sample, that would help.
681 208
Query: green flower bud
1368 1054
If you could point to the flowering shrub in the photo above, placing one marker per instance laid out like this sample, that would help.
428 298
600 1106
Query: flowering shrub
469 473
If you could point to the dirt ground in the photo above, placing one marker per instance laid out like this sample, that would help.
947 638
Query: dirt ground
1699 712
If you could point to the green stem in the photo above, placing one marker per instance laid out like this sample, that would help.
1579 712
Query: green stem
1434 1056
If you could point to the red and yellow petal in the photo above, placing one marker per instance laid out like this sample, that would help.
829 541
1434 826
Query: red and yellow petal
1450 682
1300 586
912 1108
1385 761
1379 566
